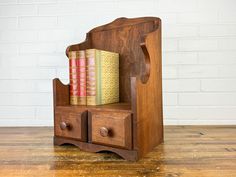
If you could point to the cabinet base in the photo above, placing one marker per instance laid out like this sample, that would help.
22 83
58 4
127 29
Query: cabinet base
130 155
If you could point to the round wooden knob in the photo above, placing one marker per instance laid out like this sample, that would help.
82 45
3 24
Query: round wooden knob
64 125
104 131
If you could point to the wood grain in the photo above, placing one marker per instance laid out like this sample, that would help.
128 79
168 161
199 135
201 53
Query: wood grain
75 124
117 125
61 93
149 109
188 151
117 107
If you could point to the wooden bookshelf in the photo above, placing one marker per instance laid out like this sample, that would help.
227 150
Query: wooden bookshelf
134 126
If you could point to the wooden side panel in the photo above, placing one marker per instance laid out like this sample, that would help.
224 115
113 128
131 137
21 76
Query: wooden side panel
149 122
61 93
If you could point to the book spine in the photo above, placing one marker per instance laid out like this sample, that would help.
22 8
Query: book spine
77 67
92 70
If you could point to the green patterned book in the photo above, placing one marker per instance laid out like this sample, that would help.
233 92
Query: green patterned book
102 86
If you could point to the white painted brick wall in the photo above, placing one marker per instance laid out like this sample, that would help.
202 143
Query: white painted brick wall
199 55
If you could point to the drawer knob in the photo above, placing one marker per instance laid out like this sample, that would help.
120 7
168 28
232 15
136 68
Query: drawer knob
104 131
64 125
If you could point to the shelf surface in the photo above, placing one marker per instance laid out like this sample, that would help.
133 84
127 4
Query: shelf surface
107 107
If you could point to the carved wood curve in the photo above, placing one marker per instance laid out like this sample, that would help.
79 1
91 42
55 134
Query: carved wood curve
125 154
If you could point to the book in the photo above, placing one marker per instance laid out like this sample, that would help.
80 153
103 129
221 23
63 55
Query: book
77 70
102 86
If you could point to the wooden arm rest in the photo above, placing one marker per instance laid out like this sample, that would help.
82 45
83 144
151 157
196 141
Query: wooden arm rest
60 93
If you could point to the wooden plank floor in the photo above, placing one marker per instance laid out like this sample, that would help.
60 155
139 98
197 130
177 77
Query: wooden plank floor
199 151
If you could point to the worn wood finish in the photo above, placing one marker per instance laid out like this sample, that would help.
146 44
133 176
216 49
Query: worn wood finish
138 41
111 128
188 151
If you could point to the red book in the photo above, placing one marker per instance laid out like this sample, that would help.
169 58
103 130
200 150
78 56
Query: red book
77 68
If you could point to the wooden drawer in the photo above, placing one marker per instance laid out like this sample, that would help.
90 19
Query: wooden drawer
111 128
71 124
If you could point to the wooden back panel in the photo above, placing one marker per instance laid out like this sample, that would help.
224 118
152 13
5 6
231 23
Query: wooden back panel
123 36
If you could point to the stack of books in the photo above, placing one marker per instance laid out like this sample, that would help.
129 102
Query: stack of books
94 77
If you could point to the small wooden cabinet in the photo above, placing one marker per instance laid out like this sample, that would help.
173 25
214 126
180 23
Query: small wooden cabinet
134 126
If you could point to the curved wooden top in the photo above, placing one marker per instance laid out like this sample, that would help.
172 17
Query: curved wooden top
123 22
